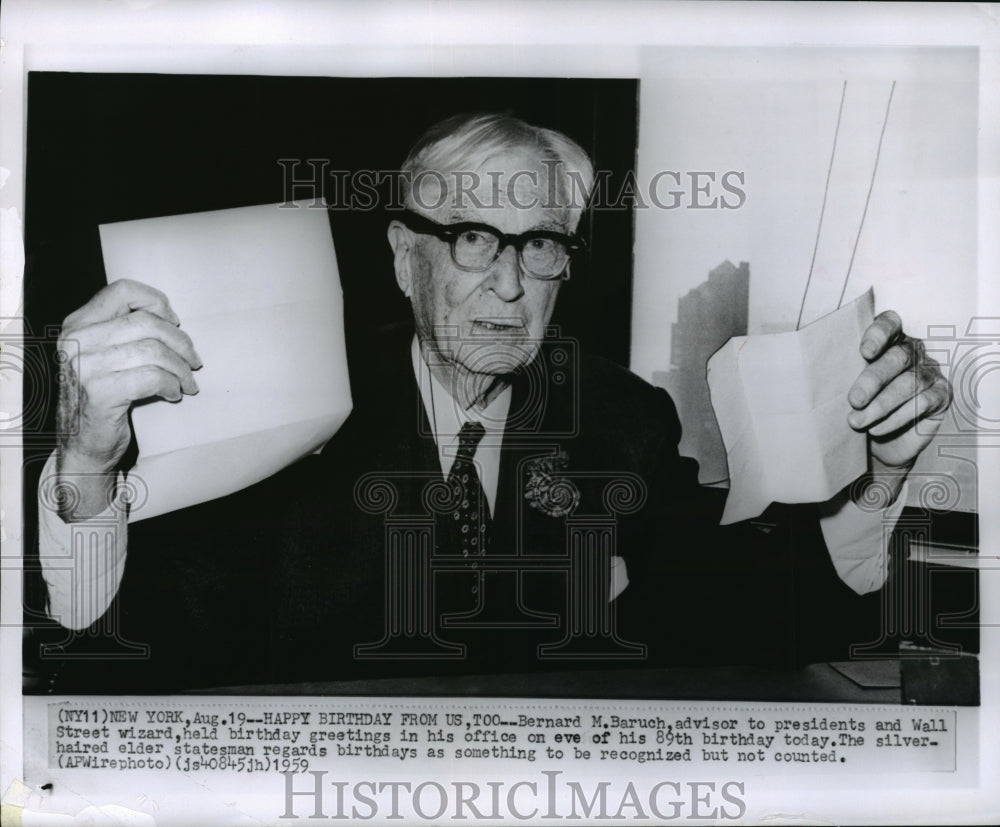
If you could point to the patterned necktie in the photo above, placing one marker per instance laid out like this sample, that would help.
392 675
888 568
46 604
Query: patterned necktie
470 520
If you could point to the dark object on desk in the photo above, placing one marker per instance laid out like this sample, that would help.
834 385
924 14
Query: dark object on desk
870 674
947 679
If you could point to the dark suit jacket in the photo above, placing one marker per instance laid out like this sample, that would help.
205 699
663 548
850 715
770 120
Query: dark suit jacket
328 570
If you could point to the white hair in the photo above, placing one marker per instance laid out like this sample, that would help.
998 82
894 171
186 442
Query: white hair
463 142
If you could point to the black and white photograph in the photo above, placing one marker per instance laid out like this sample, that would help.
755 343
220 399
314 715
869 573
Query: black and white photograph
498 412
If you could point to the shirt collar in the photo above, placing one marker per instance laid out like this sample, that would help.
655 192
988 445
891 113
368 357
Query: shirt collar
446 416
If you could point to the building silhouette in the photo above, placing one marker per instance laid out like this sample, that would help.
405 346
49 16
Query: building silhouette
707 317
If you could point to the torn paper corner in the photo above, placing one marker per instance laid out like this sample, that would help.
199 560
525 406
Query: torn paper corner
781 403
16 794
227 465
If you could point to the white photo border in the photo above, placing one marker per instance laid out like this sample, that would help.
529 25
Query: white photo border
559 39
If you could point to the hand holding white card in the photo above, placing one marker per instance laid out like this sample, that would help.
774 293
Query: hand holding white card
258 291
781 403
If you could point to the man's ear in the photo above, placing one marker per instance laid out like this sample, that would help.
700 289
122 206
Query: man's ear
401 241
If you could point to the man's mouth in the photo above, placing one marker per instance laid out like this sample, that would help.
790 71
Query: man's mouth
498 326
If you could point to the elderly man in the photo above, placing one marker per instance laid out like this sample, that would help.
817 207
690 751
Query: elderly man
566 528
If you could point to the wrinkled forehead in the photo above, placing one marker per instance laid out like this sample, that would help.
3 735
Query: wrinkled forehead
515 191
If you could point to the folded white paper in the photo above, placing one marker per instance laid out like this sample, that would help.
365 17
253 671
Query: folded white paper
258 291
781 403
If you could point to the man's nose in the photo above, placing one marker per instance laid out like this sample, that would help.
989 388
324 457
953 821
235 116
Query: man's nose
505 276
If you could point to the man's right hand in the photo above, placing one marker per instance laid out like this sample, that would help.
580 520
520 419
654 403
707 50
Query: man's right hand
126 346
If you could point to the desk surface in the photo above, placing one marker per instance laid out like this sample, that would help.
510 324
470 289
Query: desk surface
919 680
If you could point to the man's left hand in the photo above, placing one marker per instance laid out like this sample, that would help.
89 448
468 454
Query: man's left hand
901 387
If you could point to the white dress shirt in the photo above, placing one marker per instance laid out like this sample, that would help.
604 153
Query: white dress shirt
446 418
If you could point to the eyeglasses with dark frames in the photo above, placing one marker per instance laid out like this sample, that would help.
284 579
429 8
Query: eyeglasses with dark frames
543 254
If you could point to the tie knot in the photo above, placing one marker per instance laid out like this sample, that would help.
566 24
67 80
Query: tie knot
468 439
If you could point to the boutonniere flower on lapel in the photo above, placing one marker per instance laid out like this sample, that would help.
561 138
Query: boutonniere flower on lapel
547 490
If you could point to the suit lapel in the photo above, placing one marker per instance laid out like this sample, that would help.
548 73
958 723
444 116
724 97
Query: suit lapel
541 422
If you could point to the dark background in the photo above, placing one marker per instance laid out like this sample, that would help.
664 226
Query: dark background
114 147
